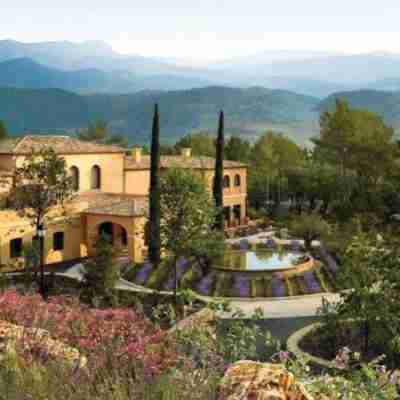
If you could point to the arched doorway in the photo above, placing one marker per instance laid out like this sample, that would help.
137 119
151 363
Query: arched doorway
115 233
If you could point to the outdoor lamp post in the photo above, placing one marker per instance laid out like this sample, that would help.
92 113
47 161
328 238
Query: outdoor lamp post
41 232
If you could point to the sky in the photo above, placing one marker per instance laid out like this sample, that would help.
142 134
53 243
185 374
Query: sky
207 30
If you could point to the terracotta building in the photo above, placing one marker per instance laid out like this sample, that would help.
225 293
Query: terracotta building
112 186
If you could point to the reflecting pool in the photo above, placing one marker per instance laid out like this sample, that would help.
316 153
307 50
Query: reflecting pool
262 260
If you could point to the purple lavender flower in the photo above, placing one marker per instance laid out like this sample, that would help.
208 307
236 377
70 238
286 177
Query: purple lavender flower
243 245
311 283
329 260
296 245
278 290
170 282
182 266
143 274
332 265
204 286
323 251
241 286
281 356
270 244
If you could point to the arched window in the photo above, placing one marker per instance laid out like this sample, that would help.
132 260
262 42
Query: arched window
227 181
237 180
95 178
74 172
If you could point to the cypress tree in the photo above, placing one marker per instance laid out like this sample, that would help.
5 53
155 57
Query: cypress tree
3 131
218 174
154 222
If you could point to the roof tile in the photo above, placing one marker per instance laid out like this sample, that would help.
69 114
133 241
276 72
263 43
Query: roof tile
60 144
179 162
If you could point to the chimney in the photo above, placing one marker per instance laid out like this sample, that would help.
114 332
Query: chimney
186 152
137 154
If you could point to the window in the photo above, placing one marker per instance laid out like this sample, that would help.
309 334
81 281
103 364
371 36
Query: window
227 181
95 177
16 248
237 180
58 241
74 172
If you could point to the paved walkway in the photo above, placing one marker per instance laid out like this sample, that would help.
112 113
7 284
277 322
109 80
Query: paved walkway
287 307
76 272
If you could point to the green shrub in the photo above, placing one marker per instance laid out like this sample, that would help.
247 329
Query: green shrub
158 277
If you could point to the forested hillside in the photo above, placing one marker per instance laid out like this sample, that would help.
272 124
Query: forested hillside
51 110
248 112
386 104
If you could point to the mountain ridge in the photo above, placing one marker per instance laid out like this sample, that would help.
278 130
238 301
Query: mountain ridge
317 73
248 111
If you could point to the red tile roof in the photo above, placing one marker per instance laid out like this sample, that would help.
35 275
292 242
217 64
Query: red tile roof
179 162
122 205
60 144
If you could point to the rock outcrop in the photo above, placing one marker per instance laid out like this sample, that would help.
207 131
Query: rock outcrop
33 338
249 380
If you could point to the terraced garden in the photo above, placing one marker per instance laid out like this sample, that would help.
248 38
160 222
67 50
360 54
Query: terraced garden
221 283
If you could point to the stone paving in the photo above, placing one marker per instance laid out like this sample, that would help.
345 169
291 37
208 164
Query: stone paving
288 307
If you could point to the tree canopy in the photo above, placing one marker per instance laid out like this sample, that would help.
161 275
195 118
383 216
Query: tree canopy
201 143
187 213
98 132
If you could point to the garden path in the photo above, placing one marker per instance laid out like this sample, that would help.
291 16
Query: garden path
76 272
287 307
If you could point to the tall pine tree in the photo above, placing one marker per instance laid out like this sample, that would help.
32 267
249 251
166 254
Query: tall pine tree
218 173
154 223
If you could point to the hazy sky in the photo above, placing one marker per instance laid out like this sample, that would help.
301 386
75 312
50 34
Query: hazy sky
208 29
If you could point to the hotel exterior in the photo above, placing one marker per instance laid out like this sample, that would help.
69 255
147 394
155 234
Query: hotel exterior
112 185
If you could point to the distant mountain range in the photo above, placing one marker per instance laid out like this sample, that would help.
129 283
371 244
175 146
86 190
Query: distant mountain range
95 67
28 74
60 86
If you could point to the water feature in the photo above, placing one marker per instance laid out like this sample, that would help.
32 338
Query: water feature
261 260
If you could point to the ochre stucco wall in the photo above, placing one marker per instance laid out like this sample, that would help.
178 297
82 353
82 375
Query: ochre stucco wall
132 225
81 232
137 182
111 167
74 246
234 195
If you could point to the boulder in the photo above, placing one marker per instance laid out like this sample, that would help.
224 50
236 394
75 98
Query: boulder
250 380
34 338
205 319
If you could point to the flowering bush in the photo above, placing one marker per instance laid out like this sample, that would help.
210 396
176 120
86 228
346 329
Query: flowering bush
277 287
360 380
118 336
311 283
241 286
143 274
352 380
205 285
